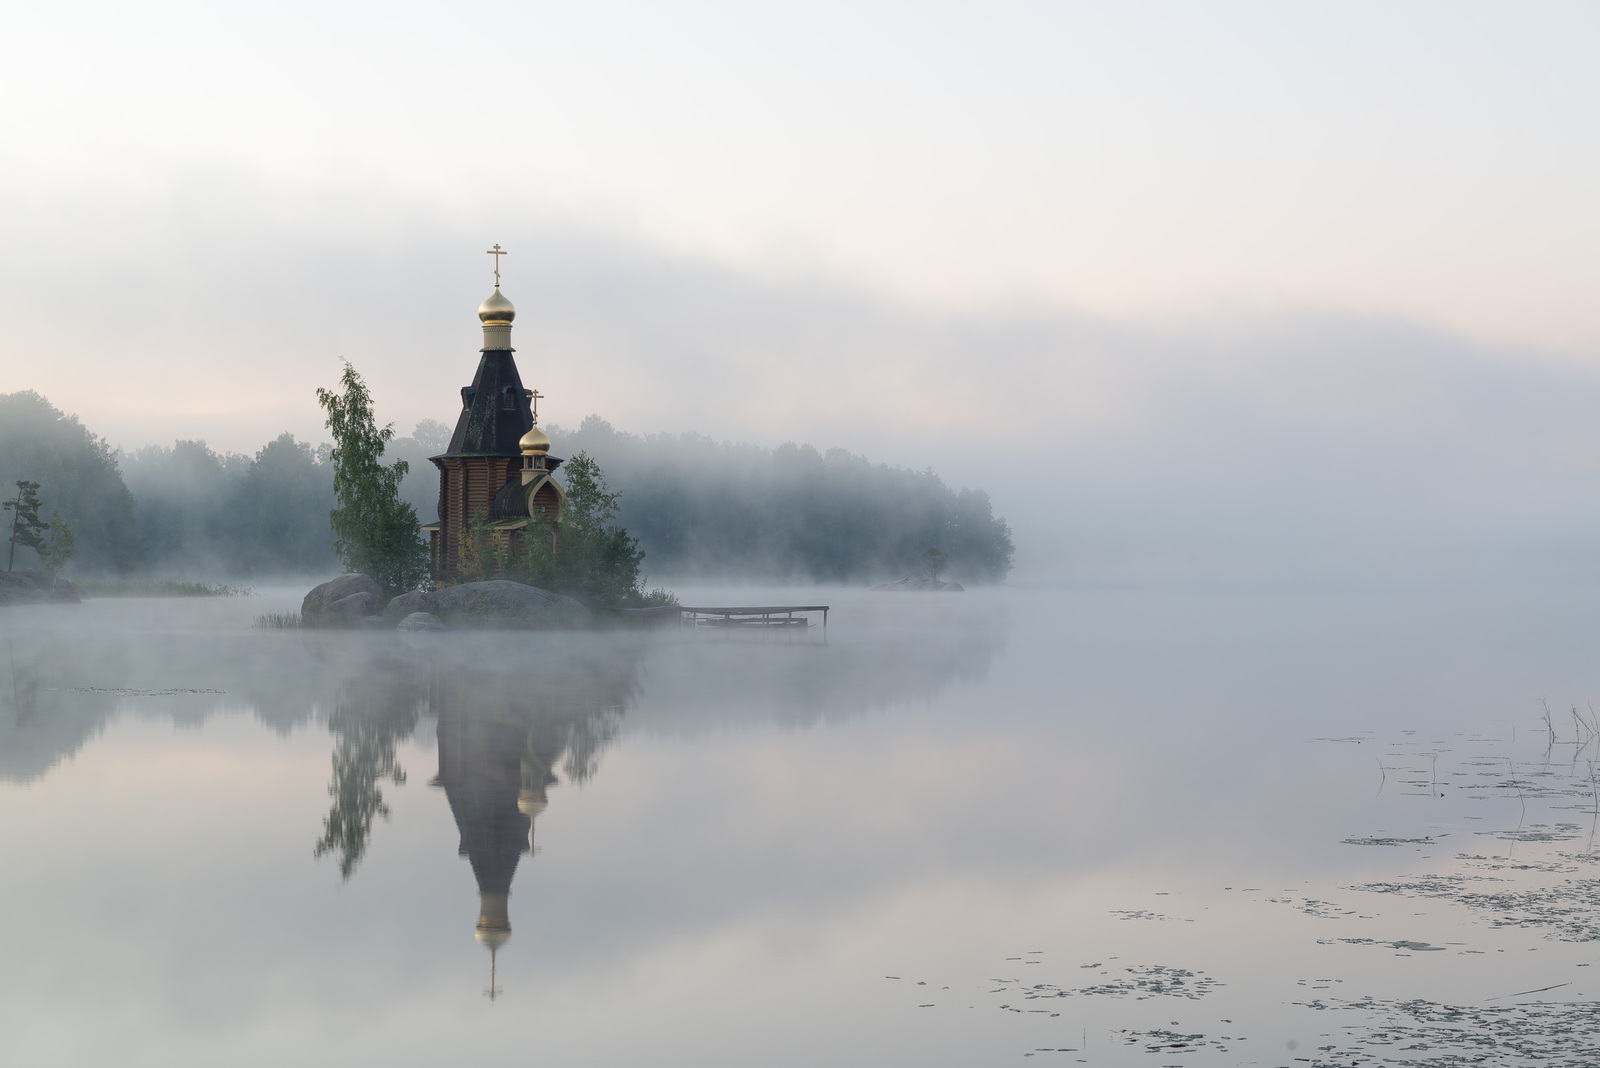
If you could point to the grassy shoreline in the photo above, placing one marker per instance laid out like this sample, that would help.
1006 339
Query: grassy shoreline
157 587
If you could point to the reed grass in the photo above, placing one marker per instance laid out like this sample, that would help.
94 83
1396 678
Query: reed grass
158 587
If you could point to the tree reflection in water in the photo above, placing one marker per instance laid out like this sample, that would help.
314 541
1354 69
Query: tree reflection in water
515 712
372 713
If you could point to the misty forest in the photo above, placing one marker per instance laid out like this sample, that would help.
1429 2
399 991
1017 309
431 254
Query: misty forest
698 507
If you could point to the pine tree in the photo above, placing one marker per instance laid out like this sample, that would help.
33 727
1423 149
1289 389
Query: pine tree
26 526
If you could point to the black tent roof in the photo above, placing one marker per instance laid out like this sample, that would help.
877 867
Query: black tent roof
495 410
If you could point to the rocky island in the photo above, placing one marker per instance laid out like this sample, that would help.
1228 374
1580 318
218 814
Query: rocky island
357 600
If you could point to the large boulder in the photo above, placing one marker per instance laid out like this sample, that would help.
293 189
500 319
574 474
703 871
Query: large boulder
318 606
16 587
31 587
409 603
354 608
504 603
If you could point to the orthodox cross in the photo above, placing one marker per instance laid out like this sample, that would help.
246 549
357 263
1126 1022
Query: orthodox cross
497 252
534 397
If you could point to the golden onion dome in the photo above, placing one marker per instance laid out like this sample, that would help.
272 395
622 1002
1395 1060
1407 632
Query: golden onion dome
534 441
497 309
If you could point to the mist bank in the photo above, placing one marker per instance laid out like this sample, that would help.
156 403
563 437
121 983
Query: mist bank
1255 445
699 507
1318 450
59 699
705 509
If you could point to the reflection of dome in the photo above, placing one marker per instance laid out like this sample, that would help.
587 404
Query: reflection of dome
530 804
497 309
493 937
534 441
494 924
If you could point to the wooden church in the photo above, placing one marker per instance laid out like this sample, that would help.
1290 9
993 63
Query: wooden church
496 473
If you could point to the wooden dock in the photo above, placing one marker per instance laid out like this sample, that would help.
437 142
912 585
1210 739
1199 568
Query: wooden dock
787 615
782 615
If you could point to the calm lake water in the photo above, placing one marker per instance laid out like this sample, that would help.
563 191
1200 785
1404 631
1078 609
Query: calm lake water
1088 827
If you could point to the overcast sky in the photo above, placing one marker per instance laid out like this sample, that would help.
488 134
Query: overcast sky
1040 247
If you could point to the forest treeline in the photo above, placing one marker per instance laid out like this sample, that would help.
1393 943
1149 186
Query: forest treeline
699 508
709 509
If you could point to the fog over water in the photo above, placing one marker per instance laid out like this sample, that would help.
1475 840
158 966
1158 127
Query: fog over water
1185 813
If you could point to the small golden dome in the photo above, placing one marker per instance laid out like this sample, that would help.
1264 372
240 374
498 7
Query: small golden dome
534 441
497 309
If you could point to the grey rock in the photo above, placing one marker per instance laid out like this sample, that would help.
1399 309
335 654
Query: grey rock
422 621
17 587
353 608
505 603
410 603
31 587
319 600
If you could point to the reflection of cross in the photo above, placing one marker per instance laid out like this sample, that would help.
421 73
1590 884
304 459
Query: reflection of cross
497 252
493 990
534 397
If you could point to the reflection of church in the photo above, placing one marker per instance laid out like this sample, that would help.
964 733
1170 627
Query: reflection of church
495 767
497 470
501 733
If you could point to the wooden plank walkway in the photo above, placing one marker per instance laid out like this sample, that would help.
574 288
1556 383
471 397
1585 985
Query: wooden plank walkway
786 615
782 615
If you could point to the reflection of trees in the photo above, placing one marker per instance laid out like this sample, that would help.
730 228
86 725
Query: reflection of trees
372 713
585 740
50 707
512 710
24 692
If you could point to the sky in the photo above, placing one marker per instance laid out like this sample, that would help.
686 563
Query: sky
1164 278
